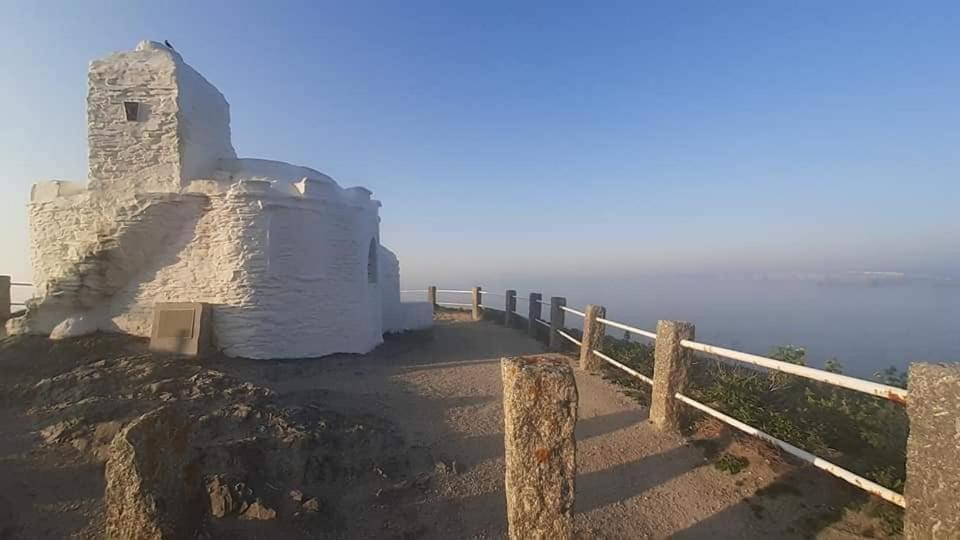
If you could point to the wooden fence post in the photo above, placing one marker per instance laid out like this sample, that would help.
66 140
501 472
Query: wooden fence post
539 417
533 313
432 296
477 302
933 457
556 322
671 362
593 332
509 307
4 298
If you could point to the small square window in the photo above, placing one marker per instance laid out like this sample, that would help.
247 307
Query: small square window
132 108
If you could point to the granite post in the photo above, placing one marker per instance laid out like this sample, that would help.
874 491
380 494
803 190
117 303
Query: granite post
509 307
540 415
533 313
593 332
432 296
4 298
671 362
476 294
556 322
932 489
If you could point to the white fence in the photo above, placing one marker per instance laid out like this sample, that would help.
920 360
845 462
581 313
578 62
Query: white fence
898 395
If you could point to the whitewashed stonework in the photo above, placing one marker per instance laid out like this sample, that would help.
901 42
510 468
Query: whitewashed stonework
290 261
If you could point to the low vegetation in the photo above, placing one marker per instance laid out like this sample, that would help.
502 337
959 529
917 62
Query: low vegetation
861 433
730 463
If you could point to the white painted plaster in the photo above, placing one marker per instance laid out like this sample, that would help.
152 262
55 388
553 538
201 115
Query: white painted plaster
170 214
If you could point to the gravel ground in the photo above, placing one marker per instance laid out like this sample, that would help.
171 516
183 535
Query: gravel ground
432 409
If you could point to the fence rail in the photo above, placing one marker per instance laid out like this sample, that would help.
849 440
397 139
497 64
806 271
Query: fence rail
6 302
589 347
575 312
867 387
628 328
816 461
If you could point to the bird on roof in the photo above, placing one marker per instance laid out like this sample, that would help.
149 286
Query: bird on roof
169 46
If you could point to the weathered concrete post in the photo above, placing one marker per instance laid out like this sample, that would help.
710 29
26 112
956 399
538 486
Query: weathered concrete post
592 337
533 313
933 452
509 307
669 373
556 322
539 416
432 296
477 301
4 298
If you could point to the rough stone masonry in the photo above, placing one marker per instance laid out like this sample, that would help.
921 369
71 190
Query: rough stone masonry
540 415
932 488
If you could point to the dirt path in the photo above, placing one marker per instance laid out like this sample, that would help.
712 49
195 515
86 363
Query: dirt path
405 442
633 481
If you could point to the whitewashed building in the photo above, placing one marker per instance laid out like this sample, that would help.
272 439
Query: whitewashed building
290 262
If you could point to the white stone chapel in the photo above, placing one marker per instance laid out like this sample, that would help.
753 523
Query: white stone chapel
290 262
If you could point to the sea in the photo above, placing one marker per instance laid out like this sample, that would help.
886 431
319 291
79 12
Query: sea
866 321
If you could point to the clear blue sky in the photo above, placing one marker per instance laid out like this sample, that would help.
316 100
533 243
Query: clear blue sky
522 138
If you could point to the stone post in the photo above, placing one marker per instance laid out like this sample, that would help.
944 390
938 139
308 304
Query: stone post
592 337
4 298
432 296
556 322
669 373
533 313
933 452
539 416
509 307
477 303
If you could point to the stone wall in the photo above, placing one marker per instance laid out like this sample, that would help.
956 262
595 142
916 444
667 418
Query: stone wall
142 155
204 125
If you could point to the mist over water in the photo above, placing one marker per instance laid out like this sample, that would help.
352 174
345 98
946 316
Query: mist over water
868 327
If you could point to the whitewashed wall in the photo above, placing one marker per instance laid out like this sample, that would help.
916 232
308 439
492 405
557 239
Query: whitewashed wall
281 252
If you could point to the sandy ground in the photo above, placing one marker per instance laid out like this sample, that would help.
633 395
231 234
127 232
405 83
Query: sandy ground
437 403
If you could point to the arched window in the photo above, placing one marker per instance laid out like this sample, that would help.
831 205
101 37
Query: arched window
372 262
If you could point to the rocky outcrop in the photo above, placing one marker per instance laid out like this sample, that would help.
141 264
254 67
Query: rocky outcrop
153 480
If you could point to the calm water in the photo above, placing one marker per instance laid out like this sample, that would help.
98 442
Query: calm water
866 328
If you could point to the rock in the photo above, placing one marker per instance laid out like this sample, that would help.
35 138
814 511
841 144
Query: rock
53 433
153 481
76 325
258 511
223 500
106 431
81 444
312 505
296 495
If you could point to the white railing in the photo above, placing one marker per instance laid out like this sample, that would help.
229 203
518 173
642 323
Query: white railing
568 337
575 312
820 463
623 367
621 326
892 393
19 284
867 387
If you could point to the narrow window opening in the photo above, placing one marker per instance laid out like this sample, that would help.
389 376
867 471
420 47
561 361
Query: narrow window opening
132 108
372 262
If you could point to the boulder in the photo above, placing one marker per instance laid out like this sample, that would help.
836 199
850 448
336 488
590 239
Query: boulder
76 325
258 511
154 488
